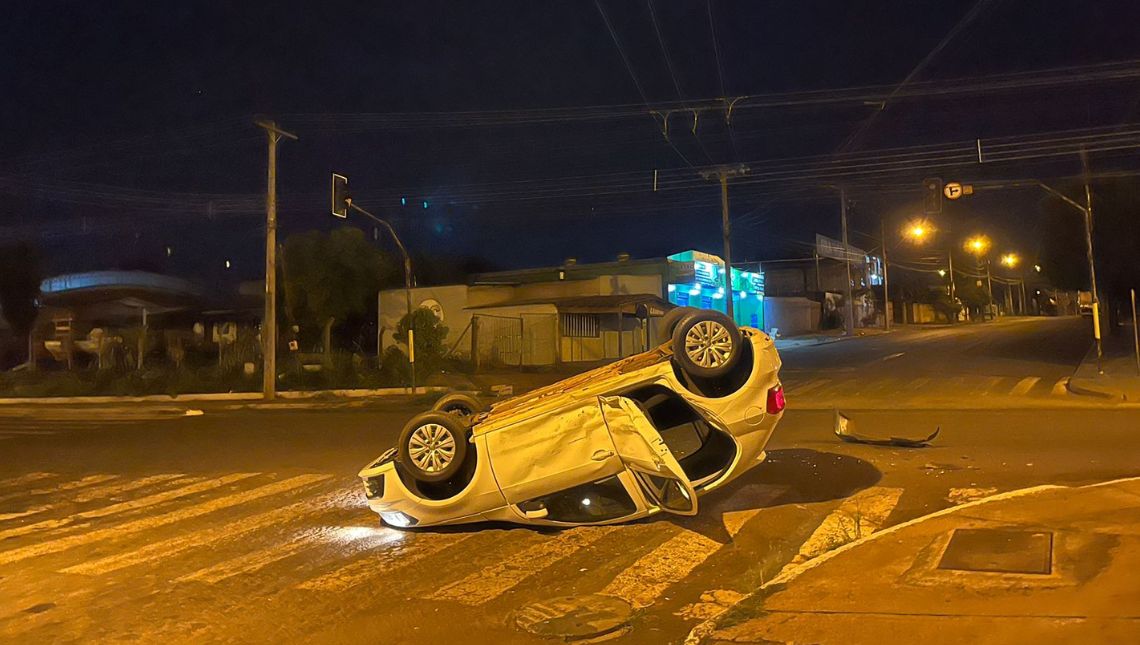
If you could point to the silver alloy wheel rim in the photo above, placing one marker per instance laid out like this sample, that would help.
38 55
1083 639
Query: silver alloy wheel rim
431 447
708 344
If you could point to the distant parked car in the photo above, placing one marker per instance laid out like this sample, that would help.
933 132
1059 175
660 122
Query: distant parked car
645 434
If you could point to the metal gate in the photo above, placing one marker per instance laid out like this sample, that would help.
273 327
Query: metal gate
540 336
496 340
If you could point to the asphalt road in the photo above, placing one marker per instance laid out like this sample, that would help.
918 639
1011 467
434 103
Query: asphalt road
143 524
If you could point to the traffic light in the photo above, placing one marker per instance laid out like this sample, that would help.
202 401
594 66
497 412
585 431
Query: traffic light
340 196
932 196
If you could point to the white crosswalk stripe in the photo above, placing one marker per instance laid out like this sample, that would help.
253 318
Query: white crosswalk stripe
151 522
405 551
251 562
111 491
89 480
857 516
1061 387
646 579
165 496
185 542
75 518
495 580
1024 385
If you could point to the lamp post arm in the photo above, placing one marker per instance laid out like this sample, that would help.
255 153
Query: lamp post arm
1063 196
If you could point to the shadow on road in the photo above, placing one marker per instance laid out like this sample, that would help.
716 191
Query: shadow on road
790 476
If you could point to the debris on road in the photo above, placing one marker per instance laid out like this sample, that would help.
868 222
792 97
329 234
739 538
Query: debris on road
843 431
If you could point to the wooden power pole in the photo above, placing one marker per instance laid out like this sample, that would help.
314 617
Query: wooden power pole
269 318
722 175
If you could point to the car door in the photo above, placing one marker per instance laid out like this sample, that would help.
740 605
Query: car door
641 448
552 452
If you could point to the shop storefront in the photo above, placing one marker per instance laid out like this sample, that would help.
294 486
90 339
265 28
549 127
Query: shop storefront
697 280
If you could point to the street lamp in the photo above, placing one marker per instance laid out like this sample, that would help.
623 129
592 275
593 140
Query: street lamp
918 231
978 245
1010 260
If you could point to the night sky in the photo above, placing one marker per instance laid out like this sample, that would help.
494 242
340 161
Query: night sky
127 127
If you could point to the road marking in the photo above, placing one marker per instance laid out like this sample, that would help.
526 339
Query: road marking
187 541
963 495
70 520
155 521
918 384
19 514
1061 387
809 386
249 562
989 383
496 579
858 516
165 496
119 489
89 480
422 546
1024 385
892 356
643 582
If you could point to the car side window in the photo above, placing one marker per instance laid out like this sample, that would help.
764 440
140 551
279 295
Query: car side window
597 501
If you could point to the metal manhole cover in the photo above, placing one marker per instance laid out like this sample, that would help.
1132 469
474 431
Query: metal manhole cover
574 617
999 551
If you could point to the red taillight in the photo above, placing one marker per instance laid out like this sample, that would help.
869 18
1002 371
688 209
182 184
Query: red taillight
775 399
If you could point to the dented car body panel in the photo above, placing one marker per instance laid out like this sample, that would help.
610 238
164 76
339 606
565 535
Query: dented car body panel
620 442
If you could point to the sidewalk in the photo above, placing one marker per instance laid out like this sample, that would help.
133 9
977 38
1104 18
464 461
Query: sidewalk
1120 380
1049 564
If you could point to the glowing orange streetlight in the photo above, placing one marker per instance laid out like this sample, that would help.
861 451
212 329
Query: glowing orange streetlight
1010 260
978 245
918 230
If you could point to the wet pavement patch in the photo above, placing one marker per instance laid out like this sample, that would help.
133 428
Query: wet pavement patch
999 551
574 617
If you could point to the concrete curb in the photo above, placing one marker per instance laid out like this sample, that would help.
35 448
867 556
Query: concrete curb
222 396
708 627
1088 387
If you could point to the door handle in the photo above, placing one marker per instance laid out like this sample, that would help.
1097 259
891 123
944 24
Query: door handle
601 455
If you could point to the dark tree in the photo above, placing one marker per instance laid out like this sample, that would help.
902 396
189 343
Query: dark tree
20 278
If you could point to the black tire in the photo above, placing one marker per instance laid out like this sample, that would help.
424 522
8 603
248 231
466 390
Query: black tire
707 359
439 431
463 406
669 321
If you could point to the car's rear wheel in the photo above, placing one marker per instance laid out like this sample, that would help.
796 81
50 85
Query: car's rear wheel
463 406
706 344
433 446
669 321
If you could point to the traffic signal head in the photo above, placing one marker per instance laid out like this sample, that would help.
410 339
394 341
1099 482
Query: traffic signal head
340 196
932 196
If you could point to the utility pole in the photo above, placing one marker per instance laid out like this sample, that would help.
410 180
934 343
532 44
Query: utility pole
722 174
1092 264
269 318
989 286
849 326
886 280
953 294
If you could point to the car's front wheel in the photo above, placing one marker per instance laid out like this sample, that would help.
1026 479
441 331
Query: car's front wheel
433 446
706 344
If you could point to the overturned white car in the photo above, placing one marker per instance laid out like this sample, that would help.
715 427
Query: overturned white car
645 434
